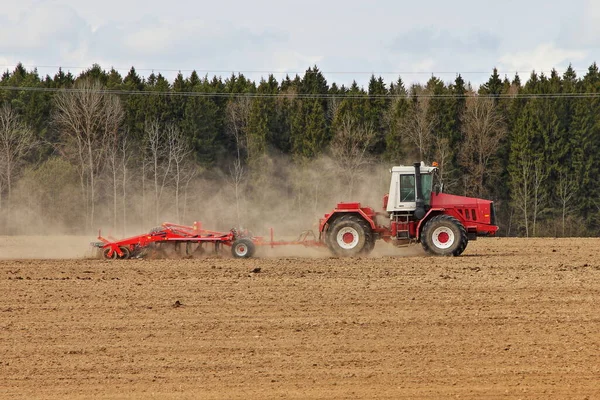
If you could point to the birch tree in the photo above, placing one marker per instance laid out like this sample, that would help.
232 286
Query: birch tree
521 189
483 129
237 117
159 162
418 124
565 194
16 140
179 151
87 117
349 149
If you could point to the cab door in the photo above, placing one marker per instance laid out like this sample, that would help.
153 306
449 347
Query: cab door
407 190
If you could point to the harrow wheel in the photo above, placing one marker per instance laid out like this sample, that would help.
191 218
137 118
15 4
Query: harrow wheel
444 235
126 252
243 248
105 255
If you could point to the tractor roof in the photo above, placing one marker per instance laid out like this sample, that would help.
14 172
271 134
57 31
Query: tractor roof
410 168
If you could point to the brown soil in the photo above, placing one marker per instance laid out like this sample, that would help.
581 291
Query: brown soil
511 318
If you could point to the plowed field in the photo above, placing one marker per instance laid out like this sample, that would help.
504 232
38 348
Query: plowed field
511 318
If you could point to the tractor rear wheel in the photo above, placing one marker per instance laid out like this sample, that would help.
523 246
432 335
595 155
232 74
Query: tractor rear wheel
369 246
243 248
349 235
444 235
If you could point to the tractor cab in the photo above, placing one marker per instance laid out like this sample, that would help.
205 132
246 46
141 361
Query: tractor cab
410 188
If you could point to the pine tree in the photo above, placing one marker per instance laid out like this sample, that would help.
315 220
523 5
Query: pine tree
396 113
309 132
585 136
378 104
114 79
178 100
493 87
201 125
262 120
95 73
156 105
134 106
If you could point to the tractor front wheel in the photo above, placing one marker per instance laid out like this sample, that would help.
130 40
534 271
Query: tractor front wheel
444 235
349 235
243 248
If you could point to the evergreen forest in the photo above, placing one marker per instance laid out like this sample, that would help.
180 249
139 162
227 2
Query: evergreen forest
126 152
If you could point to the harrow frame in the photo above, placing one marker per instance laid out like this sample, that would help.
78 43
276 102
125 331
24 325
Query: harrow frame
241 242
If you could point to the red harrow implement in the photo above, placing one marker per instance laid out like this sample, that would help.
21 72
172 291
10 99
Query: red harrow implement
195 239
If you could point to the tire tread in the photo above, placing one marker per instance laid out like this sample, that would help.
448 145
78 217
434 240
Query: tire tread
463 239
366 228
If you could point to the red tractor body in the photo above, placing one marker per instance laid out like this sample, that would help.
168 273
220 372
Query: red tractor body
443 223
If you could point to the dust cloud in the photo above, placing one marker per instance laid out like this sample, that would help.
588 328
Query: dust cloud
288 197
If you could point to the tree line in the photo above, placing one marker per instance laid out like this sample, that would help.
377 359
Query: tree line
77 150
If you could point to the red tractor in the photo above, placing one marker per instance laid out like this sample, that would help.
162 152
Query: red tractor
416 211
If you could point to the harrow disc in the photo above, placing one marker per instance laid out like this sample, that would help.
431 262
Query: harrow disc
126 252
105 253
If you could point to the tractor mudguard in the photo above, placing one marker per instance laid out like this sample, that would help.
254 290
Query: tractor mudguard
341 211
430 213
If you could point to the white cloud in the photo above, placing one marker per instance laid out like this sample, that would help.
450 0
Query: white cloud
45 25
289 60
149 40
541 59
434 39
337 35
424 65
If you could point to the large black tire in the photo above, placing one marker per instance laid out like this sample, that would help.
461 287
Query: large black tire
350 235
243 248
369 246
444 235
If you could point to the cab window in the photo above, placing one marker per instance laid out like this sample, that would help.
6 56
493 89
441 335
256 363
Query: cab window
407 188
426 183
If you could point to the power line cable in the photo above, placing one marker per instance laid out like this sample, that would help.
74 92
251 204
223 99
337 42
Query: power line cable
302 95
246 71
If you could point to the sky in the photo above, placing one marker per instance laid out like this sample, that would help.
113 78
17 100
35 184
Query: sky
347 39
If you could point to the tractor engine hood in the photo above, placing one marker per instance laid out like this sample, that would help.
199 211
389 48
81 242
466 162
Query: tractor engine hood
471 208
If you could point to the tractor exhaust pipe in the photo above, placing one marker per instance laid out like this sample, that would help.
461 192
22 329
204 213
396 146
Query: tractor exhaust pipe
420 210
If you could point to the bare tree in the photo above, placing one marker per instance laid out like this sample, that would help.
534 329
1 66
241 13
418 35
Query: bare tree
2 179
16 140
118 158
333 106
159 162
349 149
539 194
237 179
168 161
237 116
443 156
418 125
483 129
565 192
179 152
87 118
125 156
521 190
